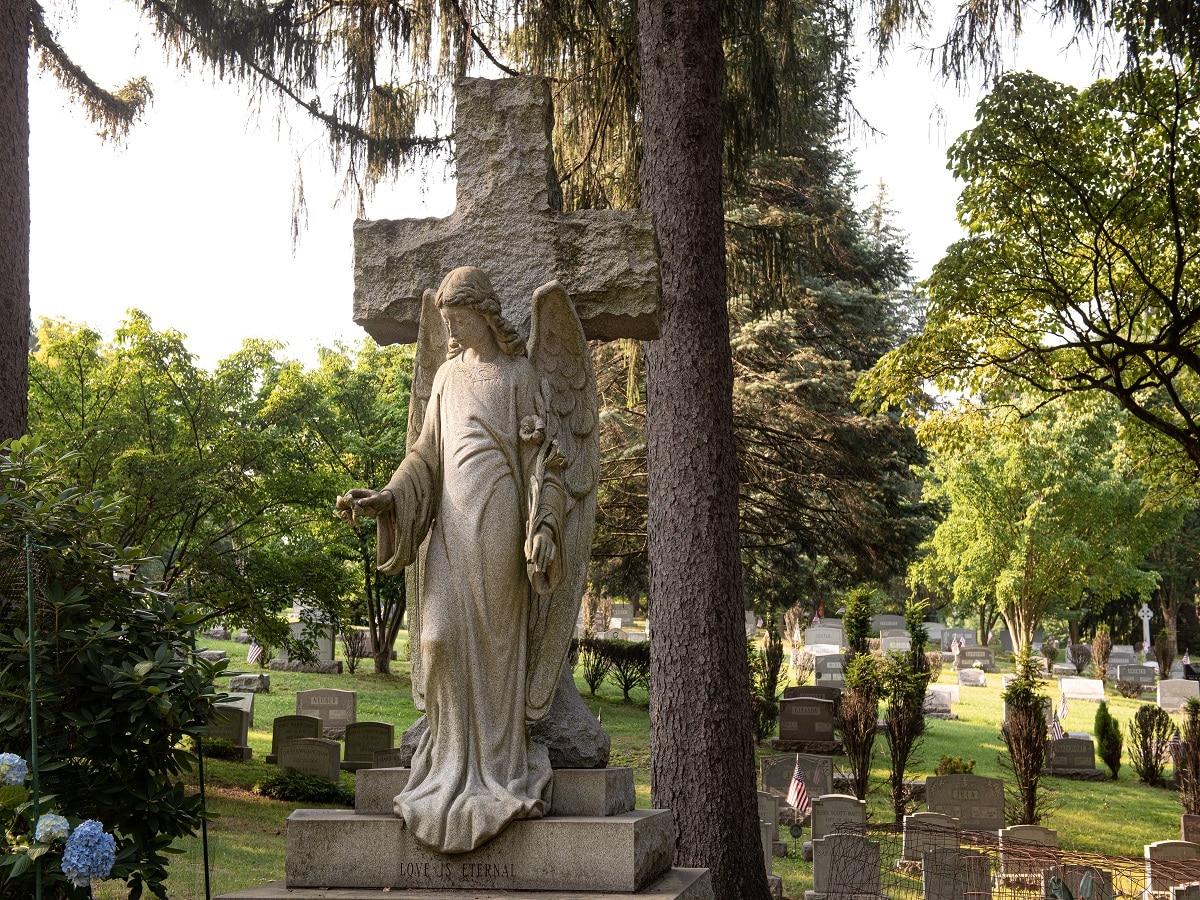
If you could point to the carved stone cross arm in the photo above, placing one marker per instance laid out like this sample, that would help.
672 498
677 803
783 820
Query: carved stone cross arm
509 222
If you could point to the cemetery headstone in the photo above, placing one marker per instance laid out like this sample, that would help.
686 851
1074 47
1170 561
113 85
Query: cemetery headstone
953 873
968 656
832 810
816 692
212 655
1082 689
291 728
777 773
894 632
806 720
972 678
250 684
1071 755
937 703
392 758
1122 655
965 637
636 637
879 623
232 723
896 643
336 709
768 811
975 800
828 670
1171 863
624 612
326 644
1142 676
1173 694
816 651
362 739
934 631
241 701
312 756
845 864
926 831
1176 669
1189 828
1065 670
821 634
1027 850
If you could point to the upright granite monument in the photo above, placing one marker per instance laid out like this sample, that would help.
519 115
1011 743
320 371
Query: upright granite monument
491 514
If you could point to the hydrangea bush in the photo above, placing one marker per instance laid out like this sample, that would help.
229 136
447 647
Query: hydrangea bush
70 860
119 762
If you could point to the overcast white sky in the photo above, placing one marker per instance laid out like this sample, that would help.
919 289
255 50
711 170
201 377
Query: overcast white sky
190 220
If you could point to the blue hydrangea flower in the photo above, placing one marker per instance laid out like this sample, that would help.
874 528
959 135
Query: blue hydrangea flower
89 854
50 828
13 769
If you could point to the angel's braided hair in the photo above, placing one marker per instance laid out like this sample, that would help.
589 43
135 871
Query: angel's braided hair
470 287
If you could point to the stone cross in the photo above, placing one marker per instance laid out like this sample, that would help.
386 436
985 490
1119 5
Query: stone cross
1145 614
509 223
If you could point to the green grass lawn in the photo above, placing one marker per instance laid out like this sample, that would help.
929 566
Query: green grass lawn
246 839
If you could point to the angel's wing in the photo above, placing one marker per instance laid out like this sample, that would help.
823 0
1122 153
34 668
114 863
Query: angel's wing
562 360
432 342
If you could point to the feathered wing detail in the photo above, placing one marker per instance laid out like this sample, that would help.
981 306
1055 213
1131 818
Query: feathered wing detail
432 343
562 359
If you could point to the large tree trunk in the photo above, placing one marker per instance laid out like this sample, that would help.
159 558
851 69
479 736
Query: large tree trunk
702 760
14 219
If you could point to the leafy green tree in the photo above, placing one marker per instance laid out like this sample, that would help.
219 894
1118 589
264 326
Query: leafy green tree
1079 270
1043 510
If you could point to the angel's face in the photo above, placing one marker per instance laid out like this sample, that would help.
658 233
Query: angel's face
468 327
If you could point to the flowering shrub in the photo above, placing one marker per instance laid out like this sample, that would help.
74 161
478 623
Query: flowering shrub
69 860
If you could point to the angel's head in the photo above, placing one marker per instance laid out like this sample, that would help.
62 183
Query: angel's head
469 288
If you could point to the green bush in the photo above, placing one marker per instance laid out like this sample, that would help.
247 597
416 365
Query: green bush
1108 738
117 689
1187 759
596 663
288 784
630 665
856 621
1149 740
858 716
954 765
1101 651
1025 741
764 699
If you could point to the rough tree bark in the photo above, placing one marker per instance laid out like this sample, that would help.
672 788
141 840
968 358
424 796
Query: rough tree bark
14 218
702 760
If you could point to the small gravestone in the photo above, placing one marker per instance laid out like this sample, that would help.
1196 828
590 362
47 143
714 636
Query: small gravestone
392 758
1122 655
975 800
1072 756
828 670
636 637
1189 828
362 739
291 728
937 703
212 656
829 813
1027 850
751 622
326 643
813 691
768 811
624 612
845 865
1171 863
953 873
1082 689
1174 693
312 756
1143 676
898 644
887 621
614 634
231 723
250 684
777 773
1065 670
336 709
976 657
1072 877
972 678
807 720
823 634
927 831
965 637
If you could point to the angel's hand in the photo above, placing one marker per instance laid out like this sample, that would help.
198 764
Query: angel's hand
363 502
541 551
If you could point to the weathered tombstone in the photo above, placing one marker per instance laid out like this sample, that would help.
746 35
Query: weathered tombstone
1082 689
212 656
1072 878
814 691
250 684
952 873
1171 863
1144 677
624 612
232 723
972 678
616 634
937 703
777 773
895 643
1071 756
845 865
312 756
968 657
1122 655
1174 693
362 739
1176 669
833 810
821 634
965 637
768 811
392 758
636 637
926 831
1027 850
934 631
975 800
336 709
828 671
890 621
292 728
806 720
326 643
751 621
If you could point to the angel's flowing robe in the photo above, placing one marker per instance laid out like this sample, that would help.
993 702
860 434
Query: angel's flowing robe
466 483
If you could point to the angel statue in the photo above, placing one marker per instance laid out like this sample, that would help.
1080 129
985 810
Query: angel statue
494 503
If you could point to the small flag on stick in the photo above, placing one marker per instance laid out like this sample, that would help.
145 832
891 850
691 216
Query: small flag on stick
797 796
254 653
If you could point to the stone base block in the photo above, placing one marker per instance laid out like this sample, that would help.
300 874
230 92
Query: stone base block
818 748
676 884
779 849
577 792
353 765
342 848
775 884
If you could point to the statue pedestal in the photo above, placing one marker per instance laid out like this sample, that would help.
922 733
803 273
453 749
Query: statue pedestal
593 844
